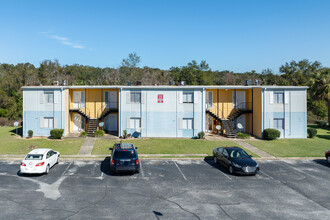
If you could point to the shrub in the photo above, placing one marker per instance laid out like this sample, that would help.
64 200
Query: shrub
241 135
311 132
319 108
124 134
99 133
56 133
83 134
321 124
30 133
201 135
271 134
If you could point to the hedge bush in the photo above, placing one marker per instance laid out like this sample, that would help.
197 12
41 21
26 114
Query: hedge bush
271 134
321 124
311 132
30 133
99 133
201 135
241 135
83 134
56 133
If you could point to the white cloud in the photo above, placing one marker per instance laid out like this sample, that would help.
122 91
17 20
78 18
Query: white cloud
64 40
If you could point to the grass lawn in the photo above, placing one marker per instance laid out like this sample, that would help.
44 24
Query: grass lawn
166 146
314 147
11 145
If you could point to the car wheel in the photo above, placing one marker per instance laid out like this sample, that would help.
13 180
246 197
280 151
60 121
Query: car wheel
328 159
47 169
215 160
231 169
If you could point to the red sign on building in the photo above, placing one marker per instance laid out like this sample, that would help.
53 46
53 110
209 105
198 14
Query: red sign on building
160 98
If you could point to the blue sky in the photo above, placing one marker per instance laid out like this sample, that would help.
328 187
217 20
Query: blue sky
230 35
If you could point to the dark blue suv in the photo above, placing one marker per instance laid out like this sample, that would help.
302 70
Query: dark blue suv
124 157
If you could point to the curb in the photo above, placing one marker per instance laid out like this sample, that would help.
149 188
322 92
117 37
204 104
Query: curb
189 157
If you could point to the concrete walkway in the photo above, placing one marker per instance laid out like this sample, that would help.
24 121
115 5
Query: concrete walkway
253 149
87 147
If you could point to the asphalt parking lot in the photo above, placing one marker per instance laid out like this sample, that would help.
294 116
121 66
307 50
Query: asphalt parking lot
166 189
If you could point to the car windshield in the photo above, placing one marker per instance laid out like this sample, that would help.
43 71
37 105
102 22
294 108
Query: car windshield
34 157
238 153
125 154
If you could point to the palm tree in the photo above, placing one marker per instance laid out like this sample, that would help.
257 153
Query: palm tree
320 87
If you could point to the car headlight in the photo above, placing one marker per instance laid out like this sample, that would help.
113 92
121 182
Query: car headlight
236 165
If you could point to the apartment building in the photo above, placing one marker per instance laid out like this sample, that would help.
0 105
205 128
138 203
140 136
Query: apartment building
165 111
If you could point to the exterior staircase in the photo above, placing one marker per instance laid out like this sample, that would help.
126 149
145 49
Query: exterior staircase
229 128
92 126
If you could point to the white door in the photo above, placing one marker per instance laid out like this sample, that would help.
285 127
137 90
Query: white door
113 99
240 99
77 122
76 99
111 122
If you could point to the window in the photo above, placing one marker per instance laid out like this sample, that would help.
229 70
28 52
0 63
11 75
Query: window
48 122
279 97
49 97
225 153
187 123
210 100
188 97
135 122
278 123
135 97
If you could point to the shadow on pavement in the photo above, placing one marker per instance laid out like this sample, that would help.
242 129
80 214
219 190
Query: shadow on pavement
322 162
209 160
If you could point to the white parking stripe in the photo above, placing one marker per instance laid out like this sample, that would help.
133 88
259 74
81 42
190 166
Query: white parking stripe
184 177
226 175
141 169
66 169
266 174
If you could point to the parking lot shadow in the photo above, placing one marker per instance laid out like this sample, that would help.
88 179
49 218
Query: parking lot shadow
322 162
105 168
209 160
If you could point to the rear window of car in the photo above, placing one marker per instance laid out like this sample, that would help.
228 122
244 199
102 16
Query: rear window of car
34 157
124 154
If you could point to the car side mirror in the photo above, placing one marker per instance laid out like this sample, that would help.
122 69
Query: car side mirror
251 156
110 148
136 148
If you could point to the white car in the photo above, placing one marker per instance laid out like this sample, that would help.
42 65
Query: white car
39 161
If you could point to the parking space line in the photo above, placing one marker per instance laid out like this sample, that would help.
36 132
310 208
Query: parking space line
66 169
266 174
142 173
184 177
226 175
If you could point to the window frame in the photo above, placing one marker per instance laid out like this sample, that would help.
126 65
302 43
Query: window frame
47 97
276 97
134 95
48 119
275 122
133 120
184 97
185 123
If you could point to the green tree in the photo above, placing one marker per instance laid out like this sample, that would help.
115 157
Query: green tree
131 61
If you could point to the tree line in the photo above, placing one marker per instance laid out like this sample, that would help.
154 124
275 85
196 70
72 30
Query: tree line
295 73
